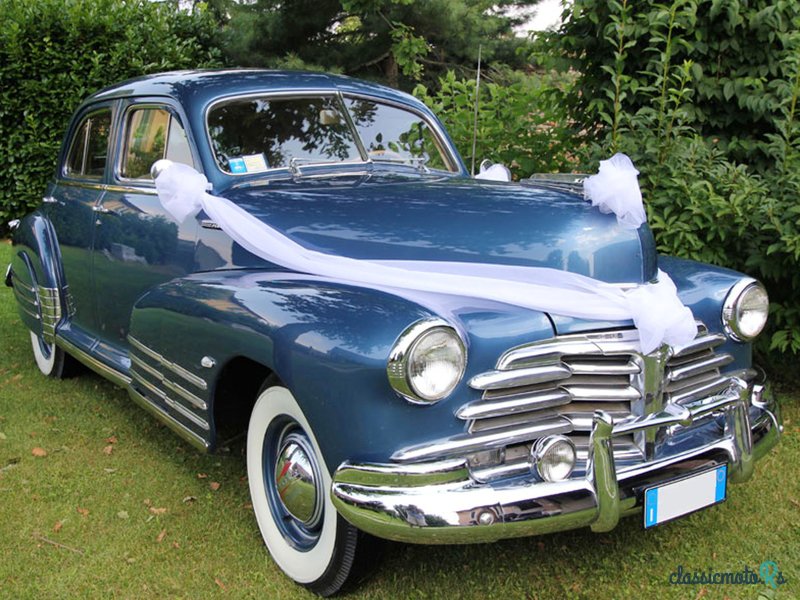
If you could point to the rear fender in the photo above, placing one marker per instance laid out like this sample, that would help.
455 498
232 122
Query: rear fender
37 276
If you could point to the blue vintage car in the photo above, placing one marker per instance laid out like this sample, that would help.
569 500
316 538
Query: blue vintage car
371 411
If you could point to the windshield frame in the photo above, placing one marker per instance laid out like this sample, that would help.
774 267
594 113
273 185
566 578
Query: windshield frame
443 141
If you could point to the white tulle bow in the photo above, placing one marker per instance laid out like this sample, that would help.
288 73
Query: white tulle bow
615 189
655 308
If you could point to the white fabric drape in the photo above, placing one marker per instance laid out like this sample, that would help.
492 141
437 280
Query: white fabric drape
655 308
495 172
615 189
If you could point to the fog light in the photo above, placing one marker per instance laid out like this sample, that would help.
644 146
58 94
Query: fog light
553 457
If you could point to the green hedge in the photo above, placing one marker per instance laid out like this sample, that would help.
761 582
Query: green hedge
54 53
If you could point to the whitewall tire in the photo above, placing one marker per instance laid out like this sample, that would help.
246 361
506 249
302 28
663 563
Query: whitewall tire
51 360
290 489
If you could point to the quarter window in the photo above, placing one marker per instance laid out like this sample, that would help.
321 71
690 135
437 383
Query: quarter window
152 134
89 147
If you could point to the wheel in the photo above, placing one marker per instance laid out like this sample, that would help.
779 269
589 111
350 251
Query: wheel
290 489
52 360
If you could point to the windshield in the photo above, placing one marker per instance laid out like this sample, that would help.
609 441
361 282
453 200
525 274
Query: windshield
391 134
255 134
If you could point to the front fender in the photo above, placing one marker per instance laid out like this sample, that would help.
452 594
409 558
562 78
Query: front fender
703 288
329 343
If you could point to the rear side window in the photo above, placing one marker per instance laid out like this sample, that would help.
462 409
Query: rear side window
152 133
89 147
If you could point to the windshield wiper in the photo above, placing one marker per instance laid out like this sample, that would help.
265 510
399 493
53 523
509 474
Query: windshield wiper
418 162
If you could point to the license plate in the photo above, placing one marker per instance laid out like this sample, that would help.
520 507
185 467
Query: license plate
675 499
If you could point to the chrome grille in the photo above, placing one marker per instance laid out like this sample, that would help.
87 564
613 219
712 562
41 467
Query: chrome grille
555 386
693 372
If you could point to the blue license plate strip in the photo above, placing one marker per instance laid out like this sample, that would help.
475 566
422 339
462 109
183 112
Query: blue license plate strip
681 497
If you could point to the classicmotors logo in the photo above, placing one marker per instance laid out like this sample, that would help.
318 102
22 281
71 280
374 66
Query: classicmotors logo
766 574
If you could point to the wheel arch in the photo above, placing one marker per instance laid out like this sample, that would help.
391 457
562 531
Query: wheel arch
38 277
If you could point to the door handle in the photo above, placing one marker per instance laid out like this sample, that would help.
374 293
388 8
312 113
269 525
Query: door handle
49 200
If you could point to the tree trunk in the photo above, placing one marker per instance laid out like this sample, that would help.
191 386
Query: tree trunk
390 71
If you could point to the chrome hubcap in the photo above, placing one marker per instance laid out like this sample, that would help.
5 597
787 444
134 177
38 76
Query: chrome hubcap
298 481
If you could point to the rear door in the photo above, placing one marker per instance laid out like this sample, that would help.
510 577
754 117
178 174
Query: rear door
70 203
138 245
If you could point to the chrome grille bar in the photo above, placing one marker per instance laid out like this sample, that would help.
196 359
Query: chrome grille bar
496 438
495 380
513 404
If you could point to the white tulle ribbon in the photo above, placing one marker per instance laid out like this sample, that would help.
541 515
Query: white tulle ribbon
615 189
495 172
654 308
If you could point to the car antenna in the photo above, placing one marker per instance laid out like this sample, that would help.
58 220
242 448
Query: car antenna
477 98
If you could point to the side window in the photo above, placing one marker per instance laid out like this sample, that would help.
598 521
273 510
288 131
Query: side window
152 134
89 147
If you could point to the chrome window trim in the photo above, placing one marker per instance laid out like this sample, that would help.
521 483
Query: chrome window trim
105 187
109 144
450 152
135 185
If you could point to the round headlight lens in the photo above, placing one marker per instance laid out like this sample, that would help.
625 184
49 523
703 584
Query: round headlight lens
745 310
553 457
427 362
436 364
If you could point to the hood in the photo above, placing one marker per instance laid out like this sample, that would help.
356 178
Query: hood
449 219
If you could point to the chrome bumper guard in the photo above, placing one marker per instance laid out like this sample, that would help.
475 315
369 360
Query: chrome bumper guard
439 503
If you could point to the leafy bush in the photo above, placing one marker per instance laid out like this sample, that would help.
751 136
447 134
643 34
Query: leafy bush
702 203
741 56
520 123
53 53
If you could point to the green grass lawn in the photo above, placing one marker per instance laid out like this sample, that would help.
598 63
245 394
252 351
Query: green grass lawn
120 507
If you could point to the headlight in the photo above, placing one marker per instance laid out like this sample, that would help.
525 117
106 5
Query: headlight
745 310
427 362
553 457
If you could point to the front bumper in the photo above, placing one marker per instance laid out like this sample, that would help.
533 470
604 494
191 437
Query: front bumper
439 503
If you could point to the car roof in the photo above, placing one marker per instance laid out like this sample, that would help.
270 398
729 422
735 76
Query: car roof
203 86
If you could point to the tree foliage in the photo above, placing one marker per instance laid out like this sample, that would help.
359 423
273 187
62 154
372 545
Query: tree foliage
398 41
54 53
520 123
739 53
703 96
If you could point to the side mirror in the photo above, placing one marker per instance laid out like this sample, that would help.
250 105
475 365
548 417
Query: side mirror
159 166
